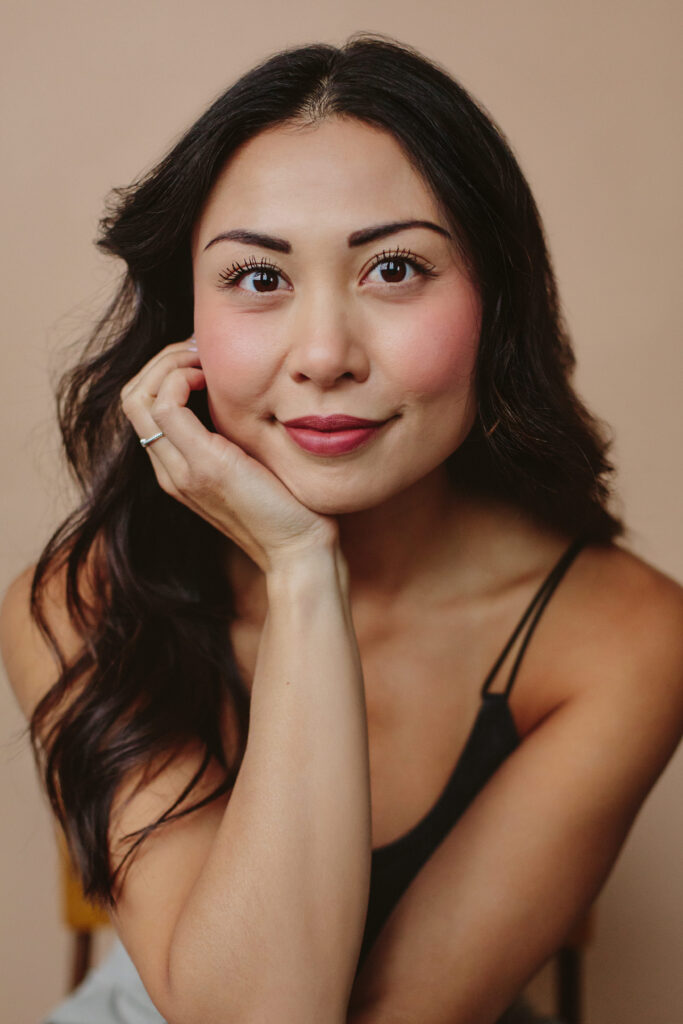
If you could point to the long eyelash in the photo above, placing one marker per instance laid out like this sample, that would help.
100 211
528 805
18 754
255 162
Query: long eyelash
237 270
419 264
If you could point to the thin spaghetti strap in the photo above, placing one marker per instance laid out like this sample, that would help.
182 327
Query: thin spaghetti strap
541 597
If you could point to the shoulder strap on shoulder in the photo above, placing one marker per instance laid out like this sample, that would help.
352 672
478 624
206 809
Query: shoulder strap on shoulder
538 602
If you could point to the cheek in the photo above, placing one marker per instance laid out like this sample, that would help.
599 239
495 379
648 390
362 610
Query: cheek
439 351
235 357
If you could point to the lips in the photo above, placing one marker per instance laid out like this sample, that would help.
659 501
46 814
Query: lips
332 435
325 424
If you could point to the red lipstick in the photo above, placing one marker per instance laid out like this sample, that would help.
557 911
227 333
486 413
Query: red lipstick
332 435
336 422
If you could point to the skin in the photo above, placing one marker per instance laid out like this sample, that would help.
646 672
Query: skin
332 334
598 702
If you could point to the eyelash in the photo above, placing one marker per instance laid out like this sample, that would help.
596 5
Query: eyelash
237 271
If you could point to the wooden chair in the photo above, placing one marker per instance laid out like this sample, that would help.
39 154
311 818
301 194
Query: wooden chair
79 915
569 970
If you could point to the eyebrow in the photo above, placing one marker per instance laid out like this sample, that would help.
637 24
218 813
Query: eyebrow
355 239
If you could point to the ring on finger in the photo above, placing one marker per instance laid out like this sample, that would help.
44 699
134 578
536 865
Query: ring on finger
144 441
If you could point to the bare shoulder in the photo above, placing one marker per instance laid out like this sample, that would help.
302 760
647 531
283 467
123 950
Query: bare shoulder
601 691
616 648
629 616
30 660
615 566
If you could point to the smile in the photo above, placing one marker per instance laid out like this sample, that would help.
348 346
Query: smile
332 435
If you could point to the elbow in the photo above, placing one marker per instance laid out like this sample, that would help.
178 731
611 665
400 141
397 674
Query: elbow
192 1001
197 1001
275 984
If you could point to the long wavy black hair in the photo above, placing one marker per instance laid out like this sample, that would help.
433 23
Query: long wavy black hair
156 664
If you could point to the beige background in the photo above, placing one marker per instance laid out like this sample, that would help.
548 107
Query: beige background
588 94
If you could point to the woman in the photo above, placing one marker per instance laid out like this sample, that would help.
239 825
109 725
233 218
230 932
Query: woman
332 460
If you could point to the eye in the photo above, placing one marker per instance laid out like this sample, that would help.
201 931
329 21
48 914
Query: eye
397 267
260 272
392 265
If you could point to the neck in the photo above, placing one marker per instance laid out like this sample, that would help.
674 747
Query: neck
397 544
399 550
432 543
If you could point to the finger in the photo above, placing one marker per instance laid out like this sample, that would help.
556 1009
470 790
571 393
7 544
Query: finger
138 407
186 433
169 410
139 398
152 373
164 478
167 463
187 451
176 346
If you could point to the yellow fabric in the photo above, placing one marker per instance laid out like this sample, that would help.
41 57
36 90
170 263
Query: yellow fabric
78 913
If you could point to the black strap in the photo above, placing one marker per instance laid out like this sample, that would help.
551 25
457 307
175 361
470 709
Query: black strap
543 594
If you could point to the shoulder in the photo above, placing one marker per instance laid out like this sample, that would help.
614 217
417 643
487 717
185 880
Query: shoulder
614 648
31 661
622 572
627 617
31 664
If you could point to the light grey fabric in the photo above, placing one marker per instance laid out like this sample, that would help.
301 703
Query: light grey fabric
110 994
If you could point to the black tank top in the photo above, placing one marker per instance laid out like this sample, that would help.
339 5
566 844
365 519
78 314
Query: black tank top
492 738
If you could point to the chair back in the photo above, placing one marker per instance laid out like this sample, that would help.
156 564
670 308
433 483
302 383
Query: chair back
78 913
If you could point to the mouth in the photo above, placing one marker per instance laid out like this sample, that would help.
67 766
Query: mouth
332 435
325 424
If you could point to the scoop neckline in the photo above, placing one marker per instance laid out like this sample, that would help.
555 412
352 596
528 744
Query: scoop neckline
499 697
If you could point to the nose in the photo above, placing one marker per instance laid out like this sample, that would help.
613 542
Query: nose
324 348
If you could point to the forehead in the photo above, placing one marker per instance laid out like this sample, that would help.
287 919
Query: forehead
339 170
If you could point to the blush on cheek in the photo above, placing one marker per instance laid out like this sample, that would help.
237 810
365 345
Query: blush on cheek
233 383
233 363
440 354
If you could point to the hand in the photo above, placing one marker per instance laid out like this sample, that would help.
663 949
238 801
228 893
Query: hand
211 475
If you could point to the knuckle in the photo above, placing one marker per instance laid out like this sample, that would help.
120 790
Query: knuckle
200 479
160 410
178 373
167 485
183 480
166 357
228 464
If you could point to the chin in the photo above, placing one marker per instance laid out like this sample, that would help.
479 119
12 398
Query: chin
338 501
335 506
341 509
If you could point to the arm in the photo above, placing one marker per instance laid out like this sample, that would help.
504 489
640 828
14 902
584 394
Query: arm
252 908
530 854
270 925
274 921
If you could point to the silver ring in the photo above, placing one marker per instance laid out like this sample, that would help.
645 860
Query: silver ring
144 441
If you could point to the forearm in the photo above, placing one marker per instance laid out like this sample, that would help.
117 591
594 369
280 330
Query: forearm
275 920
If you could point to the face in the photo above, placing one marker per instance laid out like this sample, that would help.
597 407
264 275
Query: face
323 317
